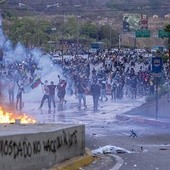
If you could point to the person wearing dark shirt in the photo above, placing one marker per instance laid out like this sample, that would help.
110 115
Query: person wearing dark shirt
134 87
52 88
103 91
46 94
81 90
61 87
113 90
93 74
95 91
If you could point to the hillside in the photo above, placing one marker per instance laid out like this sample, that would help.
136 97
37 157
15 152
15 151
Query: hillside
101 12
150 7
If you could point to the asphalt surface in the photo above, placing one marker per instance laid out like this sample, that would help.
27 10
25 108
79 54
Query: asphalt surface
149 150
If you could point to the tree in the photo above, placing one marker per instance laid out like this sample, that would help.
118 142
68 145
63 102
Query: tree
89 30
70 27
167 28
29 31
107 34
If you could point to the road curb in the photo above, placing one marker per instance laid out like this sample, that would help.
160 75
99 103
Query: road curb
76 162
144 120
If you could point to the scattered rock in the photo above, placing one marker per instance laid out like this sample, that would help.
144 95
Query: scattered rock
163 149
120 151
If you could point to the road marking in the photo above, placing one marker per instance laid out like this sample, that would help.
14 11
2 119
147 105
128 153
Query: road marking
119 161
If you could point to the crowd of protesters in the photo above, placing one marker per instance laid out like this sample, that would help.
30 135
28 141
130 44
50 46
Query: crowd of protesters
106 75
14 76
119 74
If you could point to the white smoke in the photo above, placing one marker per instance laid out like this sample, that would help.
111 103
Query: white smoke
36 94
46 69
3 38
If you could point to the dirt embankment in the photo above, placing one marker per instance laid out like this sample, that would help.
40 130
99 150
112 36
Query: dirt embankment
149 108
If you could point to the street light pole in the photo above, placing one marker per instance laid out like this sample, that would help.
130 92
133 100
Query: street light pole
120 37
53 5
77 30
77 38
110 36
62 50
169 57
2 1
22 5
0 4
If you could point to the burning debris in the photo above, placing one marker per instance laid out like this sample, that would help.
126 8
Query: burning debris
10 117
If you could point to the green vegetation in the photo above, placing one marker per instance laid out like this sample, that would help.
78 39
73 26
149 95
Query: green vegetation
38 29
167 28
132 5
27 30
46 32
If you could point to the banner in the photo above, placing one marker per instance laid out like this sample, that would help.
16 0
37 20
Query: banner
131 22
35 82
144 21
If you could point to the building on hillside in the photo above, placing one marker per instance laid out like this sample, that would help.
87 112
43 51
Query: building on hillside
167 16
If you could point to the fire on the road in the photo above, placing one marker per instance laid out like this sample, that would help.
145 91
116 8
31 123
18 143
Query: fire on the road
10 117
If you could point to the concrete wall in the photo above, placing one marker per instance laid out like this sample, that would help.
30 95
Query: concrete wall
35 151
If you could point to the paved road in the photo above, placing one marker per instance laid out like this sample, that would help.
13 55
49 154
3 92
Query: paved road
149 150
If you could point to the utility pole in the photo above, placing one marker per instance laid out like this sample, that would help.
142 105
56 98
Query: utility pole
77 37
169 56
167 29
37 13
156 91
62 45
120 39
110 36
77 28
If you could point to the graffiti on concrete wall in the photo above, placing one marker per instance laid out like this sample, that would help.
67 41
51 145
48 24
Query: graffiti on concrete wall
28 149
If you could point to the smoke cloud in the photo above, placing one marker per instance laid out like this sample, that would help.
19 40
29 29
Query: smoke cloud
46 69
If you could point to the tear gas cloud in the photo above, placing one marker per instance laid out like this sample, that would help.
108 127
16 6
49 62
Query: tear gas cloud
46 70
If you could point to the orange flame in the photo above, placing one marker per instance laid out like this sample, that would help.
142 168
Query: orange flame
9 117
